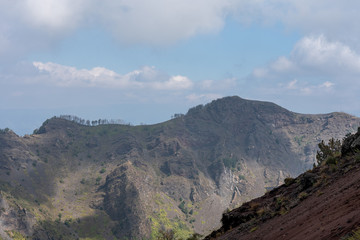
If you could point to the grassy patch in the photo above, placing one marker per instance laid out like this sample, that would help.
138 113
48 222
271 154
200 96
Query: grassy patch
253 229
354 235
303 195
160 221
15 235
288 181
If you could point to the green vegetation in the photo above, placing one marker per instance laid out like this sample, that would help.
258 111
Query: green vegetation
165 227
169 234
6 130
328 152
242 177
288 181
230 162
97 180
354 235
68 222
161 223
15 235
166 234
253 229
303 195
183 208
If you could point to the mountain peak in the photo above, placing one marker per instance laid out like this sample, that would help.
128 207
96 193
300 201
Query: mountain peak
129 181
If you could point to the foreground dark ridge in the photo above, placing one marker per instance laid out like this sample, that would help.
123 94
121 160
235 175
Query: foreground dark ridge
70 181
322 203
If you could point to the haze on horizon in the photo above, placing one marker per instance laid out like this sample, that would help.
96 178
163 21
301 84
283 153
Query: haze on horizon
142 61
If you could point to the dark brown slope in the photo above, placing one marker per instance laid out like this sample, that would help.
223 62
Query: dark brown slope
319 204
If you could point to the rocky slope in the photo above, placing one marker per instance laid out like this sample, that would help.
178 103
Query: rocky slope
99 182
322 203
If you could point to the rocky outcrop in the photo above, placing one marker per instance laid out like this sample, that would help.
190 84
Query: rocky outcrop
351 144
321 203
124 203
13 217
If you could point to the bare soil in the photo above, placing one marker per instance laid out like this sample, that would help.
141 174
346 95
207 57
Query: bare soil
330 213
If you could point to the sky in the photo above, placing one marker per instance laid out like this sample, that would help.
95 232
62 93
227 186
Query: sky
144 60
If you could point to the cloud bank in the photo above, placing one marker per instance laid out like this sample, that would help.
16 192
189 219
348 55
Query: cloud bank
314 56
144 78
319 73
29 25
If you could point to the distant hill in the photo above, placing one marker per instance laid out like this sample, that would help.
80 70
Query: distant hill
322 203
72 180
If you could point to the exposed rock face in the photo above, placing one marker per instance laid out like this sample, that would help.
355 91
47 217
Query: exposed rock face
319 204
181 174
15 217
123 203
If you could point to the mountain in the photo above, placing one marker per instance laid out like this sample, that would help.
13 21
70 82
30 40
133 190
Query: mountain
71 180
322 203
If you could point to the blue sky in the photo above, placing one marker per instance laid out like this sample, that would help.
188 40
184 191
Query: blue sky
142 61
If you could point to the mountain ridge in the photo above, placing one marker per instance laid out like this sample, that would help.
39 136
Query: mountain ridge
180 174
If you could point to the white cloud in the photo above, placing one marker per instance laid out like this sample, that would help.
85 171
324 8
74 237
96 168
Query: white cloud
53 14
335 19
295 87
162 21
314 56
316 70
33 24
318 52
174 83
318 75
282 64
145 78
29 25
